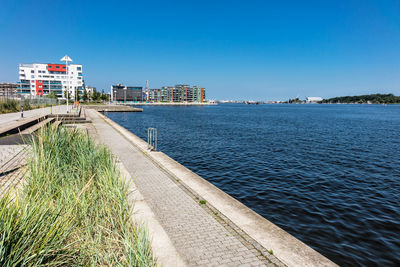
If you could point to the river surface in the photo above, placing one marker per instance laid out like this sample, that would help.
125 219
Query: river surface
327 174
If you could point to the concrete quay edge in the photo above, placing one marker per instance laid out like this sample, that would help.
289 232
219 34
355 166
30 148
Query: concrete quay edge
113 108
171 104
285 247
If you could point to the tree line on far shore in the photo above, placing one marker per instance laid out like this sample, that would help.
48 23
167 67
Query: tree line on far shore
94 96
364 99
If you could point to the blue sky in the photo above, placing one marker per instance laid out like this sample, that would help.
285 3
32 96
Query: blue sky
261 50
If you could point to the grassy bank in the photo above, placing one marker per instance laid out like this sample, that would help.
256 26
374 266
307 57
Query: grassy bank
11 105
73 209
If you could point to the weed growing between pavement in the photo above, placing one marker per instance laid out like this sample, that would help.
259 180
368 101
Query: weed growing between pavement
73 209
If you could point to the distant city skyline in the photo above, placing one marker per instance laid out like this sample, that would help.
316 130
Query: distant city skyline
253 50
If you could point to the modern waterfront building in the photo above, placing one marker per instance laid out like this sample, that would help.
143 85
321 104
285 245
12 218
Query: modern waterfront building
41 79
122 93
177 93
8 90
90 89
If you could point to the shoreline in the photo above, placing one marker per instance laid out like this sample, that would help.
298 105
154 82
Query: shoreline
168 104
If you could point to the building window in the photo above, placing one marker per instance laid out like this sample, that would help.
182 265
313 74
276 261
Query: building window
79 68
32 71
32 76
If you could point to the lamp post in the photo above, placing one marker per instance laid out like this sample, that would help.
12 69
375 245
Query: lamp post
67 59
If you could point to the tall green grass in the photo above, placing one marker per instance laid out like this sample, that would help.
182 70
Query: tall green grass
12 105
73 209
8 105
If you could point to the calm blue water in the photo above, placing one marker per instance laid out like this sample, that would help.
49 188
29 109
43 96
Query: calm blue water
327 174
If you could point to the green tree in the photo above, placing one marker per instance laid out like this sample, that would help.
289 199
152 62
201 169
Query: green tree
67 94
85 95
103 95
52 95
96 96
373 98
294 100
77 95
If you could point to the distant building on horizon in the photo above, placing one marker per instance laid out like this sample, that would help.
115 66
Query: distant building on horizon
177 93
39 79
313 99
122 93
8 90
90 89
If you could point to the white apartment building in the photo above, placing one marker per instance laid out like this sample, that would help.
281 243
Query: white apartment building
41 79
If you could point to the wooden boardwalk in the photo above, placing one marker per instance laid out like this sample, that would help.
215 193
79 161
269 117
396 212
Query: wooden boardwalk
12 167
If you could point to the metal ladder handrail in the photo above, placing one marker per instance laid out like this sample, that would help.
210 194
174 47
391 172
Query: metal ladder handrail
152 139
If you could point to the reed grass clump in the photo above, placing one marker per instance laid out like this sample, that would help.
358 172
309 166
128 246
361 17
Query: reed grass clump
8 105
73 209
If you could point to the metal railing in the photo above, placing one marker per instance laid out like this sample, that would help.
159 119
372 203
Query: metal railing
152 139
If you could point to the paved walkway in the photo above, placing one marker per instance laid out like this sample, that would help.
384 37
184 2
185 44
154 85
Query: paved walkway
10 117
196 234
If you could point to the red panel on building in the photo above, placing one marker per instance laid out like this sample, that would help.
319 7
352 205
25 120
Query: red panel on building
202 95
56 67
39 87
